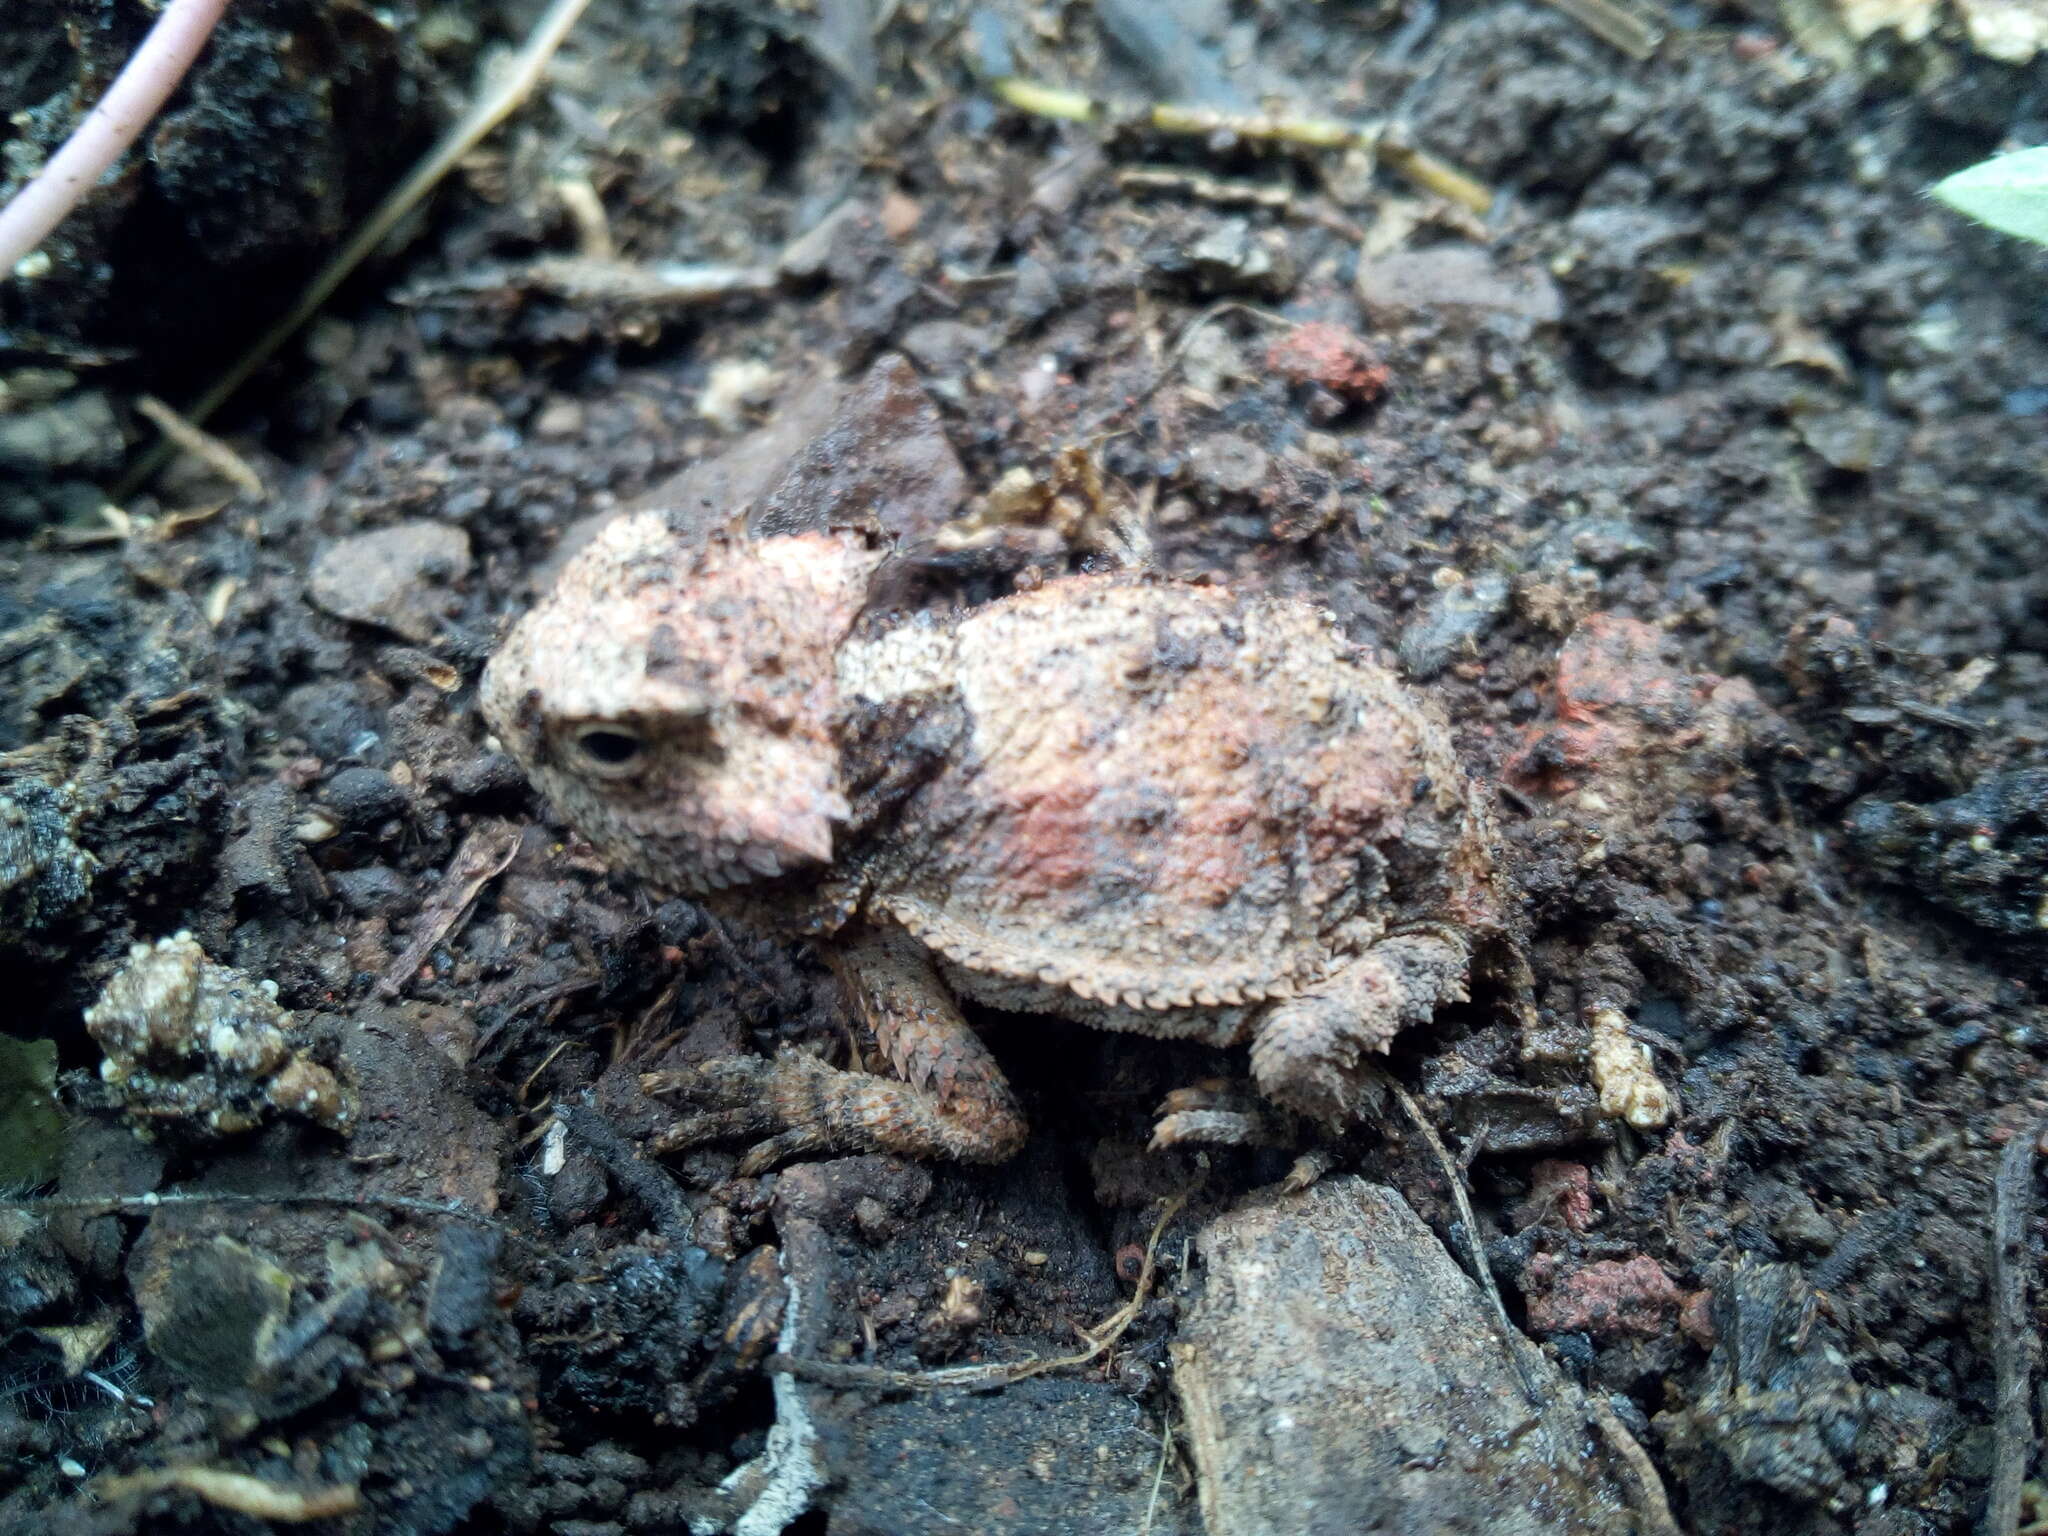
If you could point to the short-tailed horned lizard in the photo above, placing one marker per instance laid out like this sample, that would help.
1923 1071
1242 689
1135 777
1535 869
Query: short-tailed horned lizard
1143 804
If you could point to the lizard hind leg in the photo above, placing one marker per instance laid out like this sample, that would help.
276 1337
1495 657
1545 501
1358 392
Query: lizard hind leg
948 1098
1307 1051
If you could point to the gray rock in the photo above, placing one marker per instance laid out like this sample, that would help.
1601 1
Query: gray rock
1854 438
211 1310
1341 1374
362 797
1228 462
375 890
1452 624
459 1298
77 432
394 578
1462 278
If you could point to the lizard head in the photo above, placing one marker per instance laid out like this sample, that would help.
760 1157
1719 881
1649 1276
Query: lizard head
674 700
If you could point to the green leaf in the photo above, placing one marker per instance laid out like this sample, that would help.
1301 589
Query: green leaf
2008 193
31 1125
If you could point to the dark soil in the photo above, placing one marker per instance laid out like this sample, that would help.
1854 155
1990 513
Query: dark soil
1702 477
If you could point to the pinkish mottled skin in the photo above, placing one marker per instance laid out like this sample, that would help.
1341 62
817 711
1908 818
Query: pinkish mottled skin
1149 806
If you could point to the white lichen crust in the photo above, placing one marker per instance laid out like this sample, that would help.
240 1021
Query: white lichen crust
205 1047
1629 1087
44 874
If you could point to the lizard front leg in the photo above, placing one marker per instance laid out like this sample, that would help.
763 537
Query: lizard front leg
947 1099
1306 1052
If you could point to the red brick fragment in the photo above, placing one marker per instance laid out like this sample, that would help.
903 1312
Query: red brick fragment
1327 354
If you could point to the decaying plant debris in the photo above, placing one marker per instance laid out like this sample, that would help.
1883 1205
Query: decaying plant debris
1697 478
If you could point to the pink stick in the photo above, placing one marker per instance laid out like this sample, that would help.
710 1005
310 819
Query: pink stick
110 127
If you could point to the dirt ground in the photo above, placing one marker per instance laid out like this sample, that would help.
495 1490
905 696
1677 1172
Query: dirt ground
1701 481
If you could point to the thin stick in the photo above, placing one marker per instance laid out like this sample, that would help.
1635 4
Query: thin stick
1653 1504
500 100
132 101
2012 1419
1159 1473
142 1205
1094 432
238 1491
1482 1272
828 1373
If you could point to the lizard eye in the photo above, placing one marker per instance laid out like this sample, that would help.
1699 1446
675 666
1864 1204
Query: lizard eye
611 750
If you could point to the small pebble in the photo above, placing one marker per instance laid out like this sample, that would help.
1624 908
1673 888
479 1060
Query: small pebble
393 578
362 797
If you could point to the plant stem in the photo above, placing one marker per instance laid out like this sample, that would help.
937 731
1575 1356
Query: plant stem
110 127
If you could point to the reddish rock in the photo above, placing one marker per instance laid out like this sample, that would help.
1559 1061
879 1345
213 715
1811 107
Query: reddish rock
1696 1318
1608 1299
1560 1191
1329 355
1620 698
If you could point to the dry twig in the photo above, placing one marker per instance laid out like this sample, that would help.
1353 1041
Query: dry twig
204 446
1651 1503
1614 24
238 1491
503 97
1389 142
1159 1473
483 855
